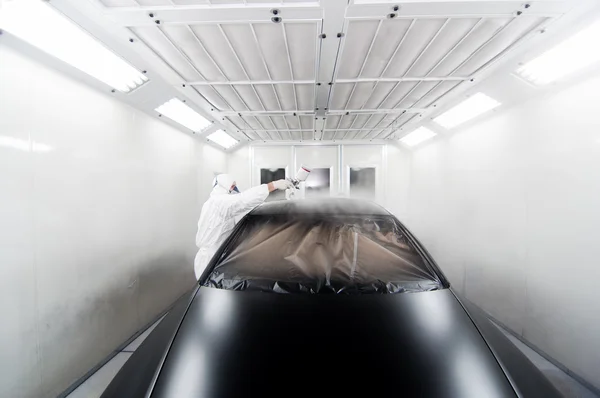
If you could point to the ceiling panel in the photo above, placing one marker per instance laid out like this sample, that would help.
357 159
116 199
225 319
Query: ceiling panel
238 135
356 45
119 3
388 40
296 135
232 97
192 47
216 42
269 96
307 136
375 120
480 35
250 97
307 122
287 96
328 135
341 92
349 122
262 136
416 41
214 96
293 122
397 93
354 95
418 91
154 38
302 39
253 135
332 121
449 36
190 2
435 93
268 124
359 121
379 94
306 96
267 72
227 2
272 42
252 123
154 2
518 28
280 122
241 38
396 126
280 1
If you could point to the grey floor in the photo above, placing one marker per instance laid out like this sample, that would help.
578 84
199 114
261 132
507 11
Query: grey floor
95 385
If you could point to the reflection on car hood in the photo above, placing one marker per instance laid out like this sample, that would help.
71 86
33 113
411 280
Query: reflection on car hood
246 343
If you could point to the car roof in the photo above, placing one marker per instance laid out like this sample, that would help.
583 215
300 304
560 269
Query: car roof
324 206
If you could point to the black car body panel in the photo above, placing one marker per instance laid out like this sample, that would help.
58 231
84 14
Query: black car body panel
228 343
234 344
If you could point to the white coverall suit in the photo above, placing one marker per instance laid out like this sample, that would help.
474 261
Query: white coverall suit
218 216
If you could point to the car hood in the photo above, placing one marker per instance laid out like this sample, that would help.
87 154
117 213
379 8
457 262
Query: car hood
234 343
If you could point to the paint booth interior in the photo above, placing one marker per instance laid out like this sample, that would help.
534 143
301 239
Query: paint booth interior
473 122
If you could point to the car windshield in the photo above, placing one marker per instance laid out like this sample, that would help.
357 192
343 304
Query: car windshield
322 254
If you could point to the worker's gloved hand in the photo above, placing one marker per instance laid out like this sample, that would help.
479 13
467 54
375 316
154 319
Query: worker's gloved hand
282 185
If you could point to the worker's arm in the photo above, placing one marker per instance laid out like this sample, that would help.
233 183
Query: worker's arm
249 199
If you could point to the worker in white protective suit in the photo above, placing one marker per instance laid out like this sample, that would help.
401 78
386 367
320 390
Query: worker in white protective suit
220 211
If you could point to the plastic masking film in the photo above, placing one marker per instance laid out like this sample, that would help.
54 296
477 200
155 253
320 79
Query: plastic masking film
322 254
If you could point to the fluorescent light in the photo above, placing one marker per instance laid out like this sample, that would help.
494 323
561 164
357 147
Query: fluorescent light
467 110
179 112
416 137
222 138
44 27
573 54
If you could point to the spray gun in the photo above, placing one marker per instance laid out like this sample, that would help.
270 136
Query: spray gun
299 191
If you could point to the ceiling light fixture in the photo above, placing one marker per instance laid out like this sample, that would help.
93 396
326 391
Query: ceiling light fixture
468 109
39 24
179 112
222 138
416 137
576 52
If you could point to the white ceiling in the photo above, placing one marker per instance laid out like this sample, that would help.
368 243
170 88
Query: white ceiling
368 77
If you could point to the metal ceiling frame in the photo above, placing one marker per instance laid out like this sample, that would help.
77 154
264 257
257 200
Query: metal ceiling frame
332 19
481 71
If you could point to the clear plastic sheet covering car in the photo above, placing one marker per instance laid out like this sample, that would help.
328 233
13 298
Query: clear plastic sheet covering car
320 254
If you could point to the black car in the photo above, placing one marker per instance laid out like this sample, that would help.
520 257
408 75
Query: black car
326 298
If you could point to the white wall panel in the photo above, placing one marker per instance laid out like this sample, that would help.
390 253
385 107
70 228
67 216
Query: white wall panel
396 180
321 157
238 165
99 206
509 209
210 162
392 161
18 332
364 156
267 157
